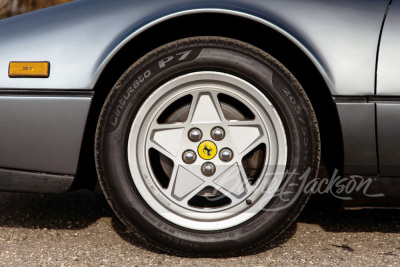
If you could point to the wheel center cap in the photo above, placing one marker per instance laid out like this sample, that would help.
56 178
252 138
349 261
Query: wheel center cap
207 150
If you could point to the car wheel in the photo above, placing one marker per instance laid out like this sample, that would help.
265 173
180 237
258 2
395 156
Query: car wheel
204 147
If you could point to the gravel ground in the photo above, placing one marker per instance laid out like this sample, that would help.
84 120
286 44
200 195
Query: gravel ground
79 229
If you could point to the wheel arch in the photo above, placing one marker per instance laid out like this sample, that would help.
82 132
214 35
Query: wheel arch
284 47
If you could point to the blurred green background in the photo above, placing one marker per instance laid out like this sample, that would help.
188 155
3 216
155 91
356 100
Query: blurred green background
9 8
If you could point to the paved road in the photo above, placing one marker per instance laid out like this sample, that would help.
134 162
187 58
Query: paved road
79 229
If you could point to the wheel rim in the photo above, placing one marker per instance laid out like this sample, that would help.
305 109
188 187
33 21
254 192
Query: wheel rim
213 191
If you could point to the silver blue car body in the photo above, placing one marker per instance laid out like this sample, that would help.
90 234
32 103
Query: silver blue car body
352 45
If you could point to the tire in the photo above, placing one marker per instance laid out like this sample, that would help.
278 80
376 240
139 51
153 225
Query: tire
227 196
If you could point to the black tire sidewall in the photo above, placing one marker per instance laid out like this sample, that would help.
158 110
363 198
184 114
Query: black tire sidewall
246 62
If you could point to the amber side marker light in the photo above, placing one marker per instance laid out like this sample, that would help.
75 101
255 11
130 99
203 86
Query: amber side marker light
29 69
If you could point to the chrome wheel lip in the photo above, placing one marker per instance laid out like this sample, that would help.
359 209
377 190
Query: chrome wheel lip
141 172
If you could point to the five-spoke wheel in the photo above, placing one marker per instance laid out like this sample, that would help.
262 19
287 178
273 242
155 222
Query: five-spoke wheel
204 145
191 144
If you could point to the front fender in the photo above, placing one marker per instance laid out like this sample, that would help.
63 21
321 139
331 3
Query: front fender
81 37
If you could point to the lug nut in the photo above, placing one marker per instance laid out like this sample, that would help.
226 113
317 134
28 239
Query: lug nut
226 154
208 169
189 157
217 133
195 135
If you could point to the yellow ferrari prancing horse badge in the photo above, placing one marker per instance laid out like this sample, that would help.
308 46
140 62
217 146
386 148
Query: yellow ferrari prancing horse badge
207 150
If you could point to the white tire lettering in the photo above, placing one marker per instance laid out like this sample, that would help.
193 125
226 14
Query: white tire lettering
162 62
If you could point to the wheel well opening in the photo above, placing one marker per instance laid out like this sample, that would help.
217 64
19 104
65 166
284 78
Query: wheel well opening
213 24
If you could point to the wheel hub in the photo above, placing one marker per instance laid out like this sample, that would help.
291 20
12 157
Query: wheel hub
207 150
